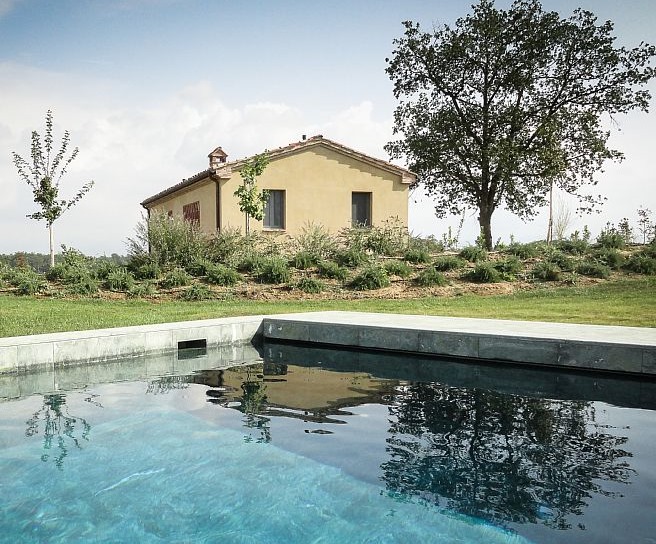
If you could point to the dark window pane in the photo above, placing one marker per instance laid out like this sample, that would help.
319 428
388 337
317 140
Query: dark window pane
274 211
361 209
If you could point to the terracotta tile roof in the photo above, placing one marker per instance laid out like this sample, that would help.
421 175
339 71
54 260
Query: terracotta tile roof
226 169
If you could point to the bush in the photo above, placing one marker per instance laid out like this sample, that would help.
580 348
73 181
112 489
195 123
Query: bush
103 267
610 238
228 246
198 267
546 271
524 251
310 285
416 255
56 272
222 275
197 291
145 289
484 272
609 257
351 257
303 260
27 283
315 241
390 239
641 264
573 246
473 254
509 267
119 280
273 270
84 285
445 263
429 244
250 262
147 271
330 269
372 277
430 277
177 277
593 269
398 268
562 261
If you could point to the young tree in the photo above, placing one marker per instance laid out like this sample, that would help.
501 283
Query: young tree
44 174
251 199
495 110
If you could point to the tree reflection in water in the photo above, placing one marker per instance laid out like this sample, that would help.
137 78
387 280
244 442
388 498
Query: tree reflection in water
500 457
58 427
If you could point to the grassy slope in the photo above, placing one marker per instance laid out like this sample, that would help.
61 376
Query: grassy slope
629 302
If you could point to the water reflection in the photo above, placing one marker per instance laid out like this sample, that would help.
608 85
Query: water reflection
60 428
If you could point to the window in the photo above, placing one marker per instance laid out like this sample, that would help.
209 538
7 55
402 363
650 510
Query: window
274 210
191 213
361 209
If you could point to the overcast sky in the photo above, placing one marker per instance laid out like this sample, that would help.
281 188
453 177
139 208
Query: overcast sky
147 88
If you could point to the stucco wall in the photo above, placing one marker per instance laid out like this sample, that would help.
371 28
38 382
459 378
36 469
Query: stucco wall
204 192
318 183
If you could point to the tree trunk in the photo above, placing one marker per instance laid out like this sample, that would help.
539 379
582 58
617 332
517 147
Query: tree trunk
52 245
485 222
248 224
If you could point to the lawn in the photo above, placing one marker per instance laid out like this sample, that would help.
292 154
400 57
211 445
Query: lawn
628 301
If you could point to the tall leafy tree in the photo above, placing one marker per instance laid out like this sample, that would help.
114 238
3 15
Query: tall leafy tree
251 199
44 173
502 106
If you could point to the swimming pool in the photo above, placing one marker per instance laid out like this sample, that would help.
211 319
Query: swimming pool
328 446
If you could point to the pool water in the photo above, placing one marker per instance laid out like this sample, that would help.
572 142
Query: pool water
322 446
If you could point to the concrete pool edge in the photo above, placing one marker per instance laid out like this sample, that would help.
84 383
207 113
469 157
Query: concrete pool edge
580 347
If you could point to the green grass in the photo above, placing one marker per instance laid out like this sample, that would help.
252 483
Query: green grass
624 302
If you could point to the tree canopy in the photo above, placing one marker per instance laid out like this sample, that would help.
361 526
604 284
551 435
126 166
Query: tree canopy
44 175
504 105
251 199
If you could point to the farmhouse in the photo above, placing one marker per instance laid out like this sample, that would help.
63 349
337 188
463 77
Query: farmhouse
315 180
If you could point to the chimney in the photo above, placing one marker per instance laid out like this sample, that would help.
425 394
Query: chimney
304 137
217 157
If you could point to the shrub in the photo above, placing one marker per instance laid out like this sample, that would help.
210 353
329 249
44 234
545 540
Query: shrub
509 267
473 254
429 244
222 275
562 261
56 272
147 271
430 277
573 246
250 262
609 257
546 271
144 289
398 268
198 267
273 270
310 285
103 267
416 255
330 269
445 263
178 277
484 272
372 277
84 285
351 257
119 280
389 239
641 264
524 251
228 246
316 241
27 283
197 291
611 238
303 260
593 269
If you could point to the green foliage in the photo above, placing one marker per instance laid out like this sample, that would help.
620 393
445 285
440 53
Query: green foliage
310 285
315 241
44 176
330 269
445 263
198 267
142 290
148 270
171 240
228 246
398 268
641 264
473 254
197 291
101 268
509 268
303 260
219 274
250 262
546 271
573 246
56 272
390 239
431 277
609 257
484 272
611 238
83 285
251 199
525 251
593 269
496 108
27 282
119 280
416 255
177 277
561 260
351 257
372 277
273 270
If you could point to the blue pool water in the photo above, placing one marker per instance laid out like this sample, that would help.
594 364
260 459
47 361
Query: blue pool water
320 447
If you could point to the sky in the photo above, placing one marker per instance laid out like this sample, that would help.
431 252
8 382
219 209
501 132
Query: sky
147 88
